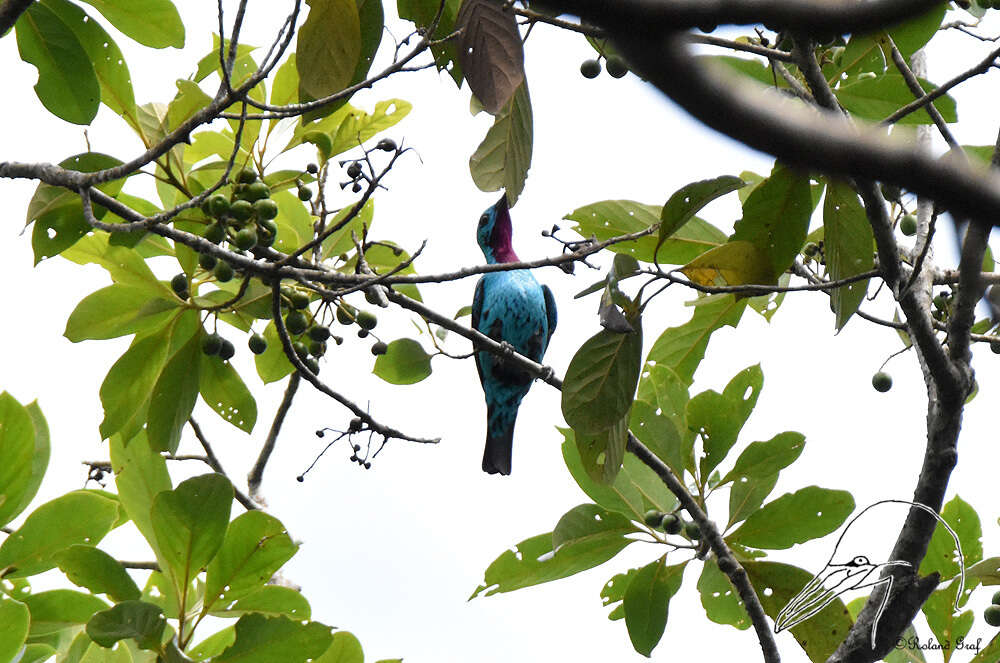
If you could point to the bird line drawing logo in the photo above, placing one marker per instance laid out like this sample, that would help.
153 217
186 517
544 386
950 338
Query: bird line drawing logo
858 572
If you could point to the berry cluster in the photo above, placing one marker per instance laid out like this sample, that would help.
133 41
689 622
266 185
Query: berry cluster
245 220
672 524
614 64
992 613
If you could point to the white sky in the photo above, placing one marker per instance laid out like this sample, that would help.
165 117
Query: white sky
392 554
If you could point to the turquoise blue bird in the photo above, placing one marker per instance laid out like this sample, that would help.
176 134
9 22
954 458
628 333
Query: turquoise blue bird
510 307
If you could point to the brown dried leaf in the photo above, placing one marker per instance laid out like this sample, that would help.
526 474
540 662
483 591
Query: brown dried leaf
490 52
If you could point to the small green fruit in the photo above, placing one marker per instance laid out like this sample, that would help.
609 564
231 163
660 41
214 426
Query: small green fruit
269 225
882 381
246 238
305 194
366 320
590 68
227 350
207 261
312 365
996 599
300 349
653 518
992 615
295 322
211 344
299 300
317 349
265 208
319 333
379 348
890 191
219 205
616 67
223 271
257 191
247 176
257 344
241 210
692 531
346 314
671 524
908 225
215 233
179 284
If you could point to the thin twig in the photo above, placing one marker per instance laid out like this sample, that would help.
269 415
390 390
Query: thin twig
213 462
256 474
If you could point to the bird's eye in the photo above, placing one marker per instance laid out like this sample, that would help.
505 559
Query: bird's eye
860 560
483 219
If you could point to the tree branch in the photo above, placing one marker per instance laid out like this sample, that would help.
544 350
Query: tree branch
10 11
256 474
213 462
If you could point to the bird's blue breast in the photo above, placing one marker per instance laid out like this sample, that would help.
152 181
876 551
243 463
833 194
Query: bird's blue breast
514 311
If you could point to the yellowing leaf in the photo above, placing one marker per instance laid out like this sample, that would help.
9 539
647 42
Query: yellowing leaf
733 263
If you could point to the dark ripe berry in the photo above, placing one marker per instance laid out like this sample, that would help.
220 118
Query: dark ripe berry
295 322
305 194
179 284
653 518
211 344
247 176
246 238
992 615
219 205
354 427
590 68
207 261
671 524
265 208
299 300
882 381
317 348
319 333
356 187
300 349
215 233
354 170
223 271
908 225
354 458
367 320
692 531
227 351
241 210
346 314
891 192
257 191
339 340
363 333
379 348
386 145
257 344
312 168
368 465
300 478
995 347
616 67
312 365
357 447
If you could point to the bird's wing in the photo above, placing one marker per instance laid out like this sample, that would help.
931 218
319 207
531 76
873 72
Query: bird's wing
550 312
477 310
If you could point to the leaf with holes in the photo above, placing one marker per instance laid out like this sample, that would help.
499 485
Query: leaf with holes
684 203
719 418
719 598
942 555
422 13
733 263
590 524
255 546
806 514
776 217
490 51
153 23
503 158
224 391
762 459
261 639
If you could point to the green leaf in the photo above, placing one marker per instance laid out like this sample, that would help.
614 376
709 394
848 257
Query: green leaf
422 13
349 127
611 218
621 495
405 362
76 517
602 453
14 617
57 609
262 639
272 364
189 100
684 203
105 56
776 217
990 653
224 391
776 584
123 264
600 381
986 572
256 545
942 555
140 474
328 47
590 525
659 417
190 523
371 18
96 570
139 620
173 397
647 600
213 645
67 85
806 514
733 263
503 158
20 443
613 593
682 348
762 459
718 418
118 310
848 246
345 648
295 223
153 23
653 426
534 562
876 98
273 600
339 242
721 602
948 627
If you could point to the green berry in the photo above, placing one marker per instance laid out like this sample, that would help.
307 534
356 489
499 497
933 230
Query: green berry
223 271
590 68
312 365
616 67
207 260
319 333
246 238
265 208
317 349
257 344
312 168
295 322
882 381
227 350
363 333
379 348
940 302
179 284
246 176
215 233
995 347
211 344
996 599
257 191
219 205
386 145
241 210
305 194
269 225
366 320
908 225
692 531
299 300
653 518
300 349
811 249
671 524
891 192
346 314
992 615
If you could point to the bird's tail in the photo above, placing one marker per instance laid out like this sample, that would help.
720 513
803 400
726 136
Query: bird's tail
499 440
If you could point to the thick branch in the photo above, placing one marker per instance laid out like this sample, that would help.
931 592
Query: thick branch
10 11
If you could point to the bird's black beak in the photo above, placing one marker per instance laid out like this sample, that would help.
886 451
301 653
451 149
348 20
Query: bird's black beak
501 205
